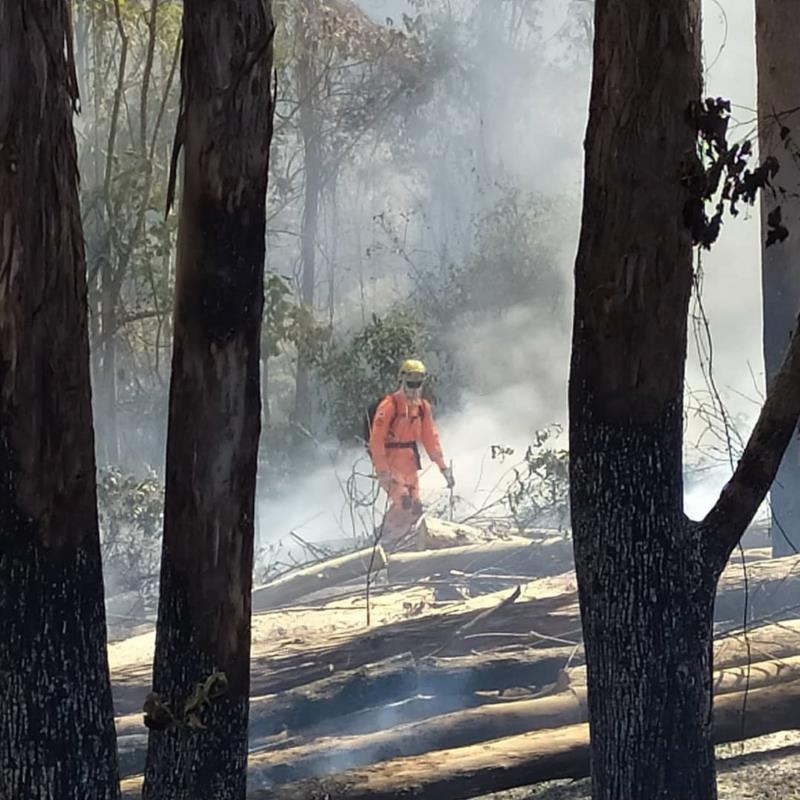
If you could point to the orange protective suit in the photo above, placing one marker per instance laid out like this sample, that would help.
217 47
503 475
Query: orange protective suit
399 425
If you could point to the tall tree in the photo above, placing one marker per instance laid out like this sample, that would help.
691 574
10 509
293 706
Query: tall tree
57 739
647 574
308 88
778 61
203 629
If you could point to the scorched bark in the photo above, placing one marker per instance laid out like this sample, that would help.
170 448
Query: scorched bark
57 739
214 418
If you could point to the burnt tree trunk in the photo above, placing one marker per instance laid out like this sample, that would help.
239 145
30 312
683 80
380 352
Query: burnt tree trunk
778 58
646 574
57 739
308 90
214 417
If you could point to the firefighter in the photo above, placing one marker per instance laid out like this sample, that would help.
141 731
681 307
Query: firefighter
401 421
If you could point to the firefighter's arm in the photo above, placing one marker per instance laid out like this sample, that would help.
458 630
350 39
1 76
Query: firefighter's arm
377 436
430 438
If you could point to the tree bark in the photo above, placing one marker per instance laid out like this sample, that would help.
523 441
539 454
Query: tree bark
57 739
645 591
214 414
646 574
778 61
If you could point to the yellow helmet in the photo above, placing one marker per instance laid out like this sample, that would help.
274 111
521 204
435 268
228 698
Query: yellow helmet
412 376
413 368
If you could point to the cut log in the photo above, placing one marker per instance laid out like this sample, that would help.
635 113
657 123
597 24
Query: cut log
773 641
343 692
516 556
459 729
547 608
306 581
540 610
528 758
436 534
737 678
538 614
331 702
466 727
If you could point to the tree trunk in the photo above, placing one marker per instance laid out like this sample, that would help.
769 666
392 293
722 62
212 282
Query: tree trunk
646 595
214 417
778 59
308 89
646 574
57 739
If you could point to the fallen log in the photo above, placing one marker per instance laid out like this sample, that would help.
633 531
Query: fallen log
334 700
518 555
459 729
422 636
473 725
524 759
773 641
546 610
539 615
308 580
435 534
383 682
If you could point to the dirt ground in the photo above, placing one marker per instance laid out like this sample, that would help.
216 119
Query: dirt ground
767 768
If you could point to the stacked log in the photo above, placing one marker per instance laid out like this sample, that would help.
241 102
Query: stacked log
524 759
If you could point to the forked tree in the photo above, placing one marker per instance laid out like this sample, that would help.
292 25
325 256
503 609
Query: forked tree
646 573
202 660
57 739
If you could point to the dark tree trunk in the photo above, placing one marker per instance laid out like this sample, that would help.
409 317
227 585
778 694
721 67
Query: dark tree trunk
778 56
308 89
646 574
214 417
646 593
57 739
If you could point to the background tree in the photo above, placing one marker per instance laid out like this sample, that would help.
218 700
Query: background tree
647 574
127 68
198 742
57 737
778 59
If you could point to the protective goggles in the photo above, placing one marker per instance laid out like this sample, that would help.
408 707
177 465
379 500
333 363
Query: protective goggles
413 383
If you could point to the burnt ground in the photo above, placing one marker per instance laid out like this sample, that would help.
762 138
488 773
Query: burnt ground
767 768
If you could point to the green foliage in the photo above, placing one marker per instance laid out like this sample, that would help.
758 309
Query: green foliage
287 322
130 512
538 493
513 259
360 370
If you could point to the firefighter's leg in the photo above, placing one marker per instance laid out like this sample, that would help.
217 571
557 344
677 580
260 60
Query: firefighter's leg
404 506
